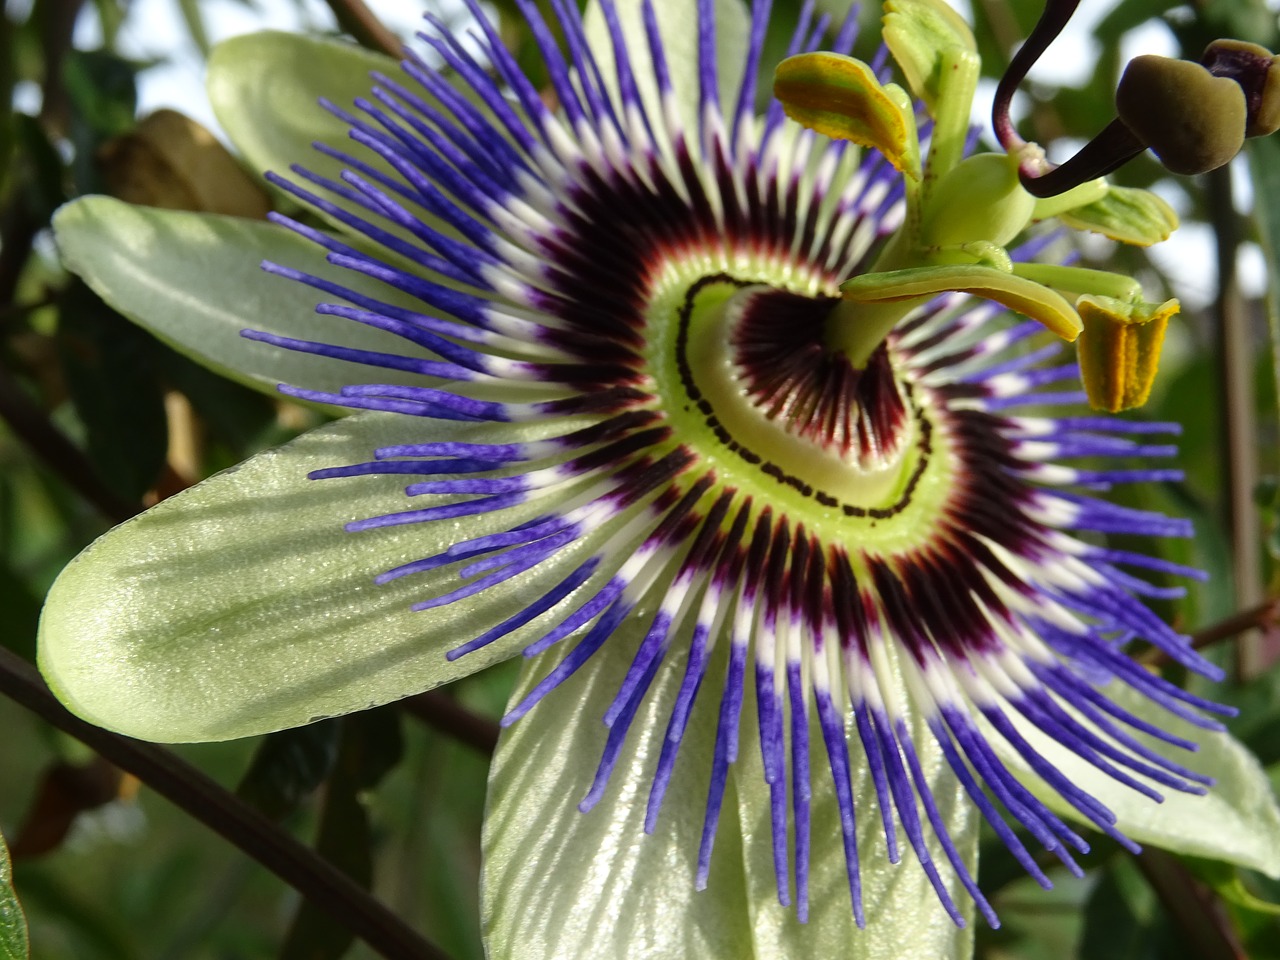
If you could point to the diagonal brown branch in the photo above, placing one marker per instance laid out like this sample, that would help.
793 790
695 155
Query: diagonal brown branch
370 32
186 787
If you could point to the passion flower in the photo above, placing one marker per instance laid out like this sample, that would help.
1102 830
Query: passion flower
698 400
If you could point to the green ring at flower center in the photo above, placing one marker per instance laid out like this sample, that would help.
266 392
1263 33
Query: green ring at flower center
701 384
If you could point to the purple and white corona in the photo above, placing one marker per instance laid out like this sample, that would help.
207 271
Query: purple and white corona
748 387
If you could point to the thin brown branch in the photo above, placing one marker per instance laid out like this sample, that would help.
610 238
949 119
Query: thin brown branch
359 21
1235 354
57 22
33 426
450 717
189 789
1192 907
1262 616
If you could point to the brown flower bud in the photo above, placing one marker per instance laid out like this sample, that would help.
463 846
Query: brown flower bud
1257 72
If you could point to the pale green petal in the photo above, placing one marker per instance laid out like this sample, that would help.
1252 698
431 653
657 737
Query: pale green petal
242 606
195 281
904 916
265 89
561 884
1238 821
276 132
678 26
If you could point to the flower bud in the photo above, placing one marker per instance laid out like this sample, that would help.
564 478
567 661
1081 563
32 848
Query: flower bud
1258 74
1193 121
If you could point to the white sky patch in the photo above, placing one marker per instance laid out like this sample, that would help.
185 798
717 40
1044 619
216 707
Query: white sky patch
154 31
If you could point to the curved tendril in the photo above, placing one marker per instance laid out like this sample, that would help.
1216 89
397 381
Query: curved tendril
1057 13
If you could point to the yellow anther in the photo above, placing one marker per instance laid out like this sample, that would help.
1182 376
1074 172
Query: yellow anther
1119 349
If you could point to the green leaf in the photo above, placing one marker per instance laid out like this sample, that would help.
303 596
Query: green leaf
112 382
13 925
194 281
273 132
288 767
194 20
1238 821
678 26
559 883
370 748
21 611
103 90
1226 881
1120 916
242 606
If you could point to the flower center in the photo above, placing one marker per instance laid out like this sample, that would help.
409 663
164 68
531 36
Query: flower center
754 368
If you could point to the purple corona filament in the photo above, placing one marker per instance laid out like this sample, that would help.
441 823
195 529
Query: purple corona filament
522 248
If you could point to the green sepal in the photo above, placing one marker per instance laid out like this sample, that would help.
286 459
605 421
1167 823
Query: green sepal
562 884
1119 349
677 22
242 605
1128 215
905 918
841 98
918 33
1236 821
265 88
1023 296
195 281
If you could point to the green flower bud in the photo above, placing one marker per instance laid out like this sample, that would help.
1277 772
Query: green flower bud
1193 121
